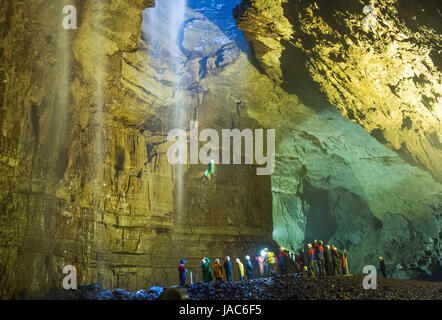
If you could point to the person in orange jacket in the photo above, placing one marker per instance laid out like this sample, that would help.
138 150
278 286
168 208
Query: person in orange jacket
345 270
218 271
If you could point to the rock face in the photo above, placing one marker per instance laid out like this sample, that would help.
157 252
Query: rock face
337 183
84 118
333 181
380 68
85 180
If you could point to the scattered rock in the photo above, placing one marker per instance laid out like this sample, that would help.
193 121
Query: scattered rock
156 290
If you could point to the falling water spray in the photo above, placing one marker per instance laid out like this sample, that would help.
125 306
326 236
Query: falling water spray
99 144
174 13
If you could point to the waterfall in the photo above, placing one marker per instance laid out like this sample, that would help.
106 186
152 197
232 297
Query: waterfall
99 149
165 22
64 59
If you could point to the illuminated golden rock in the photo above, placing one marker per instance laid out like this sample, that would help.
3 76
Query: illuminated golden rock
387 79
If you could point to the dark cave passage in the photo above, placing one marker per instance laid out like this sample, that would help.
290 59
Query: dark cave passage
321 225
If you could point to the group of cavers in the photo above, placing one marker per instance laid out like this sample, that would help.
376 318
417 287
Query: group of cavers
218 270
322 260
318 260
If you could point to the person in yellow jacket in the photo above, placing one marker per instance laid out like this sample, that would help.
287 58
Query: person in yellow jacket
271 258
241 269
269 261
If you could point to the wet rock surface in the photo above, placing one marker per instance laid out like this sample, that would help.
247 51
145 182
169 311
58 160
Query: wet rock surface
289 287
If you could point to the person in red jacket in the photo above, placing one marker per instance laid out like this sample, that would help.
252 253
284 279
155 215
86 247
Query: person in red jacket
320 258
315 246
344 263
260 260
283 258
311 260
182 272
300 261
316 250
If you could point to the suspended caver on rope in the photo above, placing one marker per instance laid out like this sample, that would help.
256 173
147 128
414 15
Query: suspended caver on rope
209 172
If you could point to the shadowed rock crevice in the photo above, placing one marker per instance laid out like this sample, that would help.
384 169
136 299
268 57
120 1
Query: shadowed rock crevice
297 80
321 225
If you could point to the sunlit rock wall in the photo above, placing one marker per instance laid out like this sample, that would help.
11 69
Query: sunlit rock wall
386 78
85 181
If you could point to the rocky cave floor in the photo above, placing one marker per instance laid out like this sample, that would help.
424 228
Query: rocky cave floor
289 287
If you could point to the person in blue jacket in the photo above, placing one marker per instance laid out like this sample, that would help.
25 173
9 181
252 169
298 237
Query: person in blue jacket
249 268
283 258
228 269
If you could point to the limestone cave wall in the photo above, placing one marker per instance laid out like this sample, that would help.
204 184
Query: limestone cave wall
85 114
334 180
85 181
